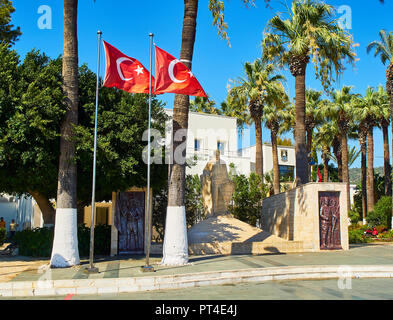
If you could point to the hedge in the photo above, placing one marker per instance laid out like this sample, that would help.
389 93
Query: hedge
38 242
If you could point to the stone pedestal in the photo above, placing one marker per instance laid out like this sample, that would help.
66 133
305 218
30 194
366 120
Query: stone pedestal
315 214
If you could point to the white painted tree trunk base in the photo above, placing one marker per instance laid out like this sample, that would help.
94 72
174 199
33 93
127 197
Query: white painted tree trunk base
175 249
65 252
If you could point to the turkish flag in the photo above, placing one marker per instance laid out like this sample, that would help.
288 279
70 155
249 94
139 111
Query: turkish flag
319 175
173 76
125 73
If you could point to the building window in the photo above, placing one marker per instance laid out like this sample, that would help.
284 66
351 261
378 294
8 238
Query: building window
221 147
284 155
197 145
287 173
102 214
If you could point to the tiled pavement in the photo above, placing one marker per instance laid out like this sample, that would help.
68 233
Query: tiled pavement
131 266
124 275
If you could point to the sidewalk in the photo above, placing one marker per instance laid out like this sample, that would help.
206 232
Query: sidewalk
124 274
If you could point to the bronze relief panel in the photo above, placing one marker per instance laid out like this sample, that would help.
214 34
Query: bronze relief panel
130 220
329 220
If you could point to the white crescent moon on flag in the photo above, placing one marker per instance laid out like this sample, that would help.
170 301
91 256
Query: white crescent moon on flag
170 71
119 62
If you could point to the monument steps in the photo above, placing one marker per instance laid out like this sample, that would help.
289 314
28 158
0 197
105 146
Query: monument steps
228 235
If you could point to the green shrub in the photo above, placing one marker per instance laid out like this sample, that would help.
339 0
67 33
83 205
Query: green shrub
38 242
354 216
3 236
35 243
247 198
102 240
388 235
382 213
357 236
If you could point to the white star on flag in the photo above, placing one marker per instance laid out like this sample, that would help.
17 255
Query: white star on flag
139 70
191 75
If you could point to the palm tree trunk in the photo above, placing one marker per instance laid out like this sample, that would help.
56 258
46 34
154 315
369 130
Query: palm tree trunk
390 80
259 147
65 244
300 136
387 167
338 153
370 171
309 147
325 167
175 251
363 147
276 168
47 210
345 169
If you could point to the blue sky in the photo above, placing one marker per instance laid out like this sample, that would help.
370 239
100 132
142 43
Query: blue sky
126 25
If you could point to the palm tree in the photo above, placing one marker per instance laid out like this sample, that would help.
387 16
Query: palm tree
309 31
353 155
259 87
323 141
313 117
384 122
362 131
384 49
204 105
273 117
341 109
175 242
368 111
65 244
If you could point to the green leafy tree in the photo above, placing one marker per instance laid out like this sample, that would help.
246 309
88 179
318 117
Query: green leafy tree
31 111
309 31
8 33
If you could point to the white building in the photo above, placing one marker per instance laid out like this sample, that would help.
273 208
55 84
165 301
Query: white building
23 210
208 133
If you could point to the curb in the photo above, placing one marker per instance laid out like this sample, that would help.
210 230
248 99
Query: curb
141 284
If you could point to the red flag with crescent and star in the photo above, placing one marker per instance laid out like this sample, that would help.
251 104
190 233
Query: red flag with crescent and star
125 73
174 77
319 175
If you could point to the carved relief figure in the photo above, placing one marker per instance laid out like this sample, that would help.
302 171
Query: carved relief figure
129 218
329 214
325 222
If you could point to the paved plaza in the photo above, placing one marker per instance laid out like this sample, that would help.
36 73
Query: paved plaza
367 258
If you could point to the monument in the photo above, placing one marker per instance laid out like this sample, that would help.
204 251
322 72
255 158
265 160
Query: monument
217 188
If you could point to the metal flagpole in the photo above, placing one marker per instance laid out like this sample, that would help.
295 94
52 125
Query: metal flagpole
91 268
148 216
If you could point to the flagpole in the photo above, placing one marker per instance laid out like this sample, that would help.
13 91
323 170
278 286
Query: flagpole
148 217
91 268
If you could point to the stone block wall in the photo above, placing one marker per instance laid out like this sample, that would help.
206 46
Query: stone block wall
294 215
